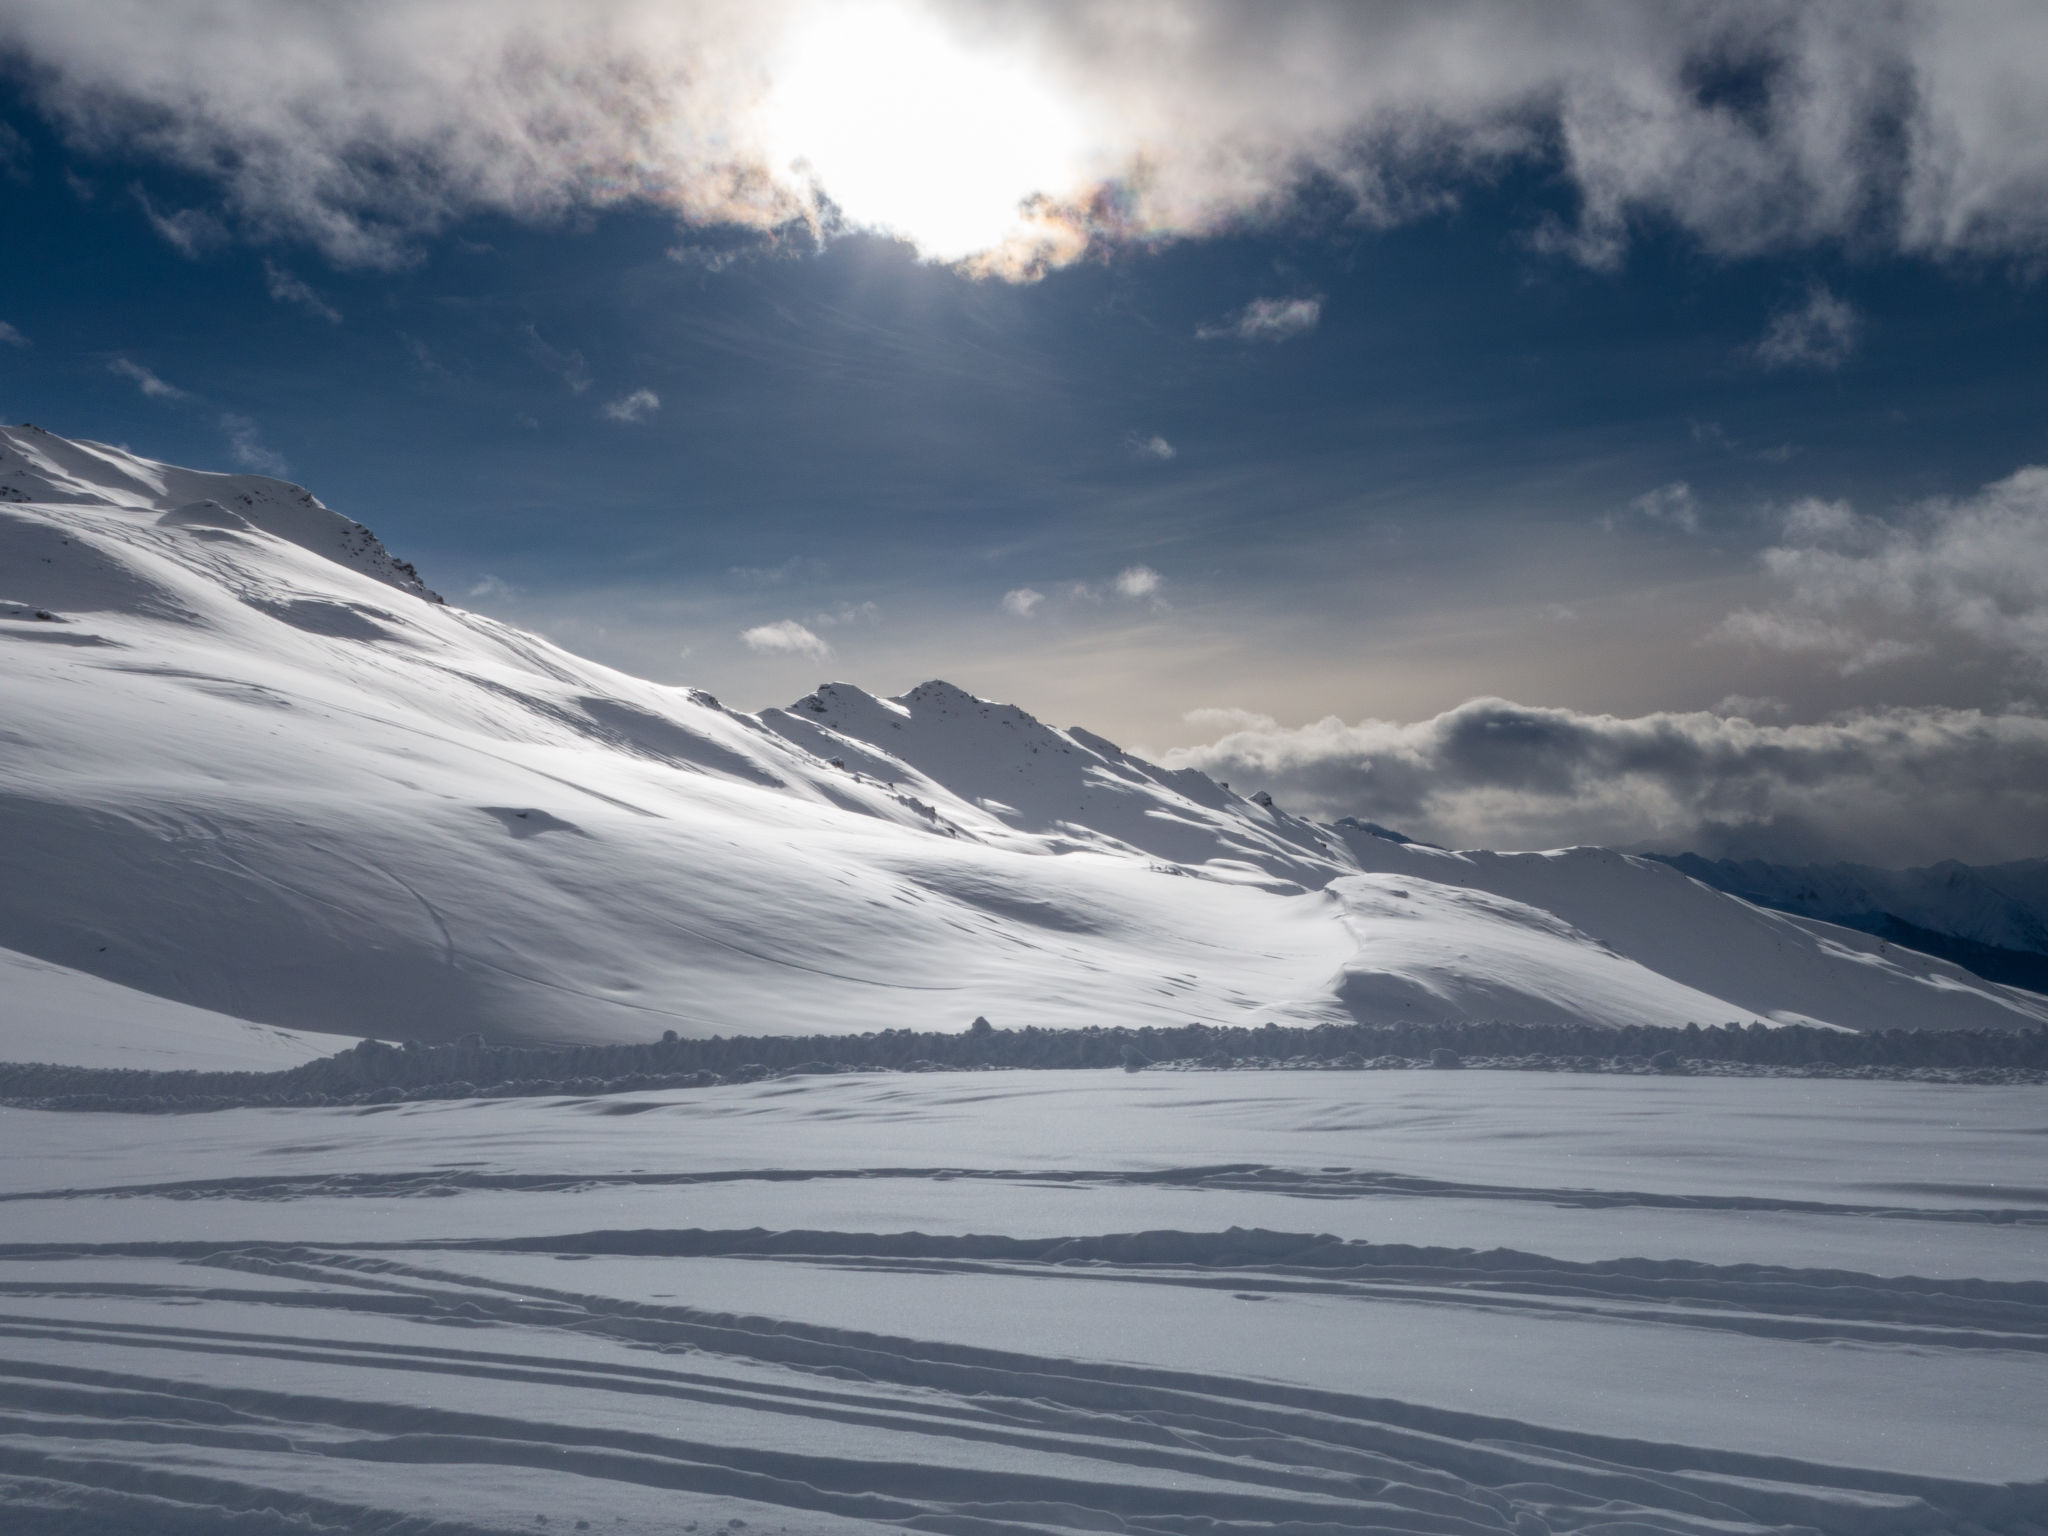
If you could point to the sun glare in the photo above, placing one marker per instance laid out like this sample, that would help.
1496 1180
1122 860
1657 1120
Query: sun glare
907 130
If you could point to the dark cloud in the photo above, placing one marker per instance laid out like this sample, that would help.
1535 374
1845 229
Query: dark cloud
1884 787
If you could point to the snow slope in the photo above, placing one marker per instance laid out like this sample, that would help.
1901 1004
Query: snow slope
1991 918
54 1014
249 764
2002 905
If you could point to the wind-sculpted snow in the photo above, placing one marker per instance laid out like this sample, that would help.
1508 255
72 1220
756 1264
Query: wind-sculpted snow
1453 1304
249 765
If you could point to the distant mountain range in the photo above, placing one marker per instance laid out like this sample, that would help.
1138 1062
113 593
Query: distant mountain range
1990 919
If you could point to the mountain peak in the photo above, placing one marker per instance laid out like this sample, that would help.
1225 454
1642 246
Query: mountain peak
38 467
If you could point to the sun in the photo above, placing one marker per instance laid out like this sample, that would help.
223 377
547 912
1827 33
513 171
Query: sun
908 130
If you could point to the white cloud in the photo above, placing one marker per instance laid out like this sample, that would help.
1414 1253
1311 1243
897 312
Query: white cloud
637 406
785 637
9 336
1673 504
488 586
1268 320
1155 447
1889 787
1139 581
287 289
1922 124
1969 573
146 381
1022 602
246 443
1819 334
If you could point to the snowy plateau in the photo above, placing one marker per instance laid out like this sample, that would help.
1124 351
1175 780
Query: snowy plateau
263 793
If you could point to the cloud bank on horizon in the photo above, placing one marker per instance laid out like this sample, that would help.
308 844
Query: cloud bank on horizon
1962 578
1017 137
1890 787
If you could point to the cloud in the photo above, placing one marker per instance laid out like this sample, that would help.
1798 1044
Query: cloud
1155 447
805 566
1969 572
488 586
570 366
15 154
192 231
422 358
1139 581
1819 334
1031 134
1268 320
1673 504
246 444
637 406
9 336
287 289
1022 602
847 613
1887 786
146 381
785 637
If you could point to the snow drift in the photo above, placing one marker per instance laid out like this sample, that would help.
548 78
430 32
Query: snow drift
251 765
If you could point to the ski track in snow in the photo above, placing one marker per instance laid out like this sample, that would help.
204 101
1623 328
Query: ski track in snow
1037 1303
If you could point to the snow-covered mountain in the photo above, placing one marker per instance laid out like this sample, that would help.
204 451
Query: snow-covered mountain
1991 918
250 765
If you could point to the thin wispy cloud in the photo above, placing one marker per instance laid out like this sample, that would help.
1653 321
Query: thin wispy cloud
1150 446
785 637
1023 145
190 231
245 442
1820 333
287 289
1022 602
569 366
1268 320
637 406
1672 504
146 381
847 613
14 154
11 337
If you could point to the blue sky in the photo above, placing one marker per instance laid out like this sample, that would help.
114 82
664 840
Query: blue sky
1368 434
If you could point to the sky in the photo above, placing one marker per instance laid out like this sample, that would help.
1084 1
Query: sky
1612 422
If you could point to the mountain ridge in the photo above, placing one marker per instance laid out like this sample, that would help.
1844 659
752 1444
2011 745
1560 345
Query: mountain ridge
255 767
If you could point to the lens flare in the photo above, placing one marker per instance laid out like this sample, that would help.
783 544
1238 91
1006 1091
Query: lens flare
909 130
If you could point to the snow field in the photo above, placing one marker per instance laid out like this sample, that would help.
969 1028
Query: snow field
1470 1302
